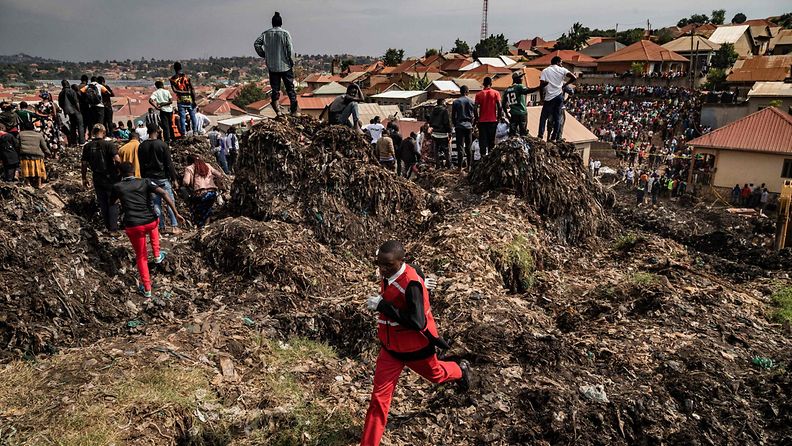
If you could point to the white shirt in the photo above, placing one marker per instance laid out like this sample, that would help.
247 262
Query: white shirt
555 76
142 132
161 97
376 131
200 121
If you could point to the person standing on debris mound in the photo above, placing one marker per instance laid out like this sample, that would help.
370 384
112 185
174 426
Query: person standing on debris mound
408 334
101 156
440 121
9 154
129 152
463 115
204 181
161 100
156 165
551 87
140 220
185 98
515 105
275 45
488 103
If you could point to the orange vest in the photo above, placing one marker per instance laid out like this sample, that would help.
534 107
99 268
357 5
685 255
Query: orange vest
393 336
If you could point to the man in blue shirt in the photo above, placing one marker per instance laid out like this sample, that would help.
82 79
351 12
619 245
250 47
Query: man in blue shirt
463 114
275 46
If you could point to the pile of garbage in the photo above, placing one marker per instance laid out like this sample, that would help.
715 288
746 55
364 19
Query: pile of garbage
554 181
324 178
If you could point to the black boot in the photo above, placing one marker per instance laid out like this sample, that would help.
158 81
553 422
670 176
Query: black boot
467 375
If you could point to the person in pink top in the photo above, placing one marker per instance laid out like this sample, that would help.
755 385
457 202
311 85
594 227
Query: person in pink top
488 106
205 182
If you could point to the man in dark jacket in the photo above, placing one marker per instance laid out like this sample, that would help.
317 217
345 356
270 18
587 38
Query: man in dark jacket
9 153
440 121
463 115
107 93
409 155
101 156
156 165
69 102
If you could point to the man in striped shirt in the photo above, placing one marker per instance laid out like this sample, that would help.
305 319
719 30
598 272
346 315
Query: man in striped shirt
275 46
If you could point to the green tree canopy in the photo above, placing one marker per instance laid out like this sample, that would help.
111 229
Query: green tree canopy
492 46
430 52
739 18
695 18
574 39
393 57
460 47
725 57
718 17
785 20
248 94
716 79
346 63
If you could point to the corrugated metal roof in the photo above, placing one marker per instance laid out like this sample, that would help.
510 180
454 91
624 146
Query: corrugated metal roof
368 111
761 68
644 51
444 86
399 94
531 79
728 33
771 89
602 49
574 131
766 131
682 45
567 56
333 88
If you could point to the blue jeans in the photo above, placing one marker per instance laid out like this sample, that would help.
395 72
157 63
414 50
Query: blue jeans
551 108
157 201
183 118
221 159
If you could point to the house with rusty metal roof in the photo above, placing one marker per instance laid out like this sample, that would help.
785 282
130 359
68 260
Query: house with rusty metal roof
654 58
755 149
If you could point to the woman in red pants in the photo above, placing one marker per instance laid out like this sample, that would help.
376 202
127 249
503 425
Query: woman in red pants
140 220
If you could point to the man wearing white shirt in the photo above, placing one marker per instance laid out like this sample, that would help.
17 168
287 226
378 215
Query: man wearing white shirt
551 88
201 121
141 131
162 100
375 129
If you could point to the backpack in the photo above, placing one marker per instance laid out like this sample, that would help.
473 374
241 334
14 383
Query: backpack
93 96
96 158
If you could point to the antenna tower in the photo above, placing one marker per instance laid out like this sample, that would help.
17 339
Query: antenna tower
484 20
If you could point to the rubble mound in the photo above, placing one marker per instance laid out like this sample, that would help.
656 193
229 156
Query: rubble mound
326 179
553 180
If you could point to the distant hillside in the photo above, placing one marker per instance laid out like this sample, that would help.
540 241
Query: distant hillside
22 58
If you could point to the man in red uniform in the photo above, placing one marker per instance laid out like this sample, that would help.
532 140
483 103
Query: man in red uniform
408 334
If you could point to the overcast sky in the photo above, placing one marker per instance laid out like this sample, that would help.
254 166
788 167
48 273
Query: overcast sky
174 29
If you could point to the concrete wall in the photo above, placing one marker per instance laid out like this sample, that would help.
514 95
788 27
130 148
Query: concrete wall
718 115
733 167
755 104
744 46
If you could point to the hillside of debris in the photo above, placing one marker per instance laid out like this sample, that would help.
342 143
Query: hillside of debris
585 323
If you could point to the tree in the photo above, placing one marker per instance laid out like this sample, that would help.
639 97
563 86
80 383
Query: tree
249 94
575 39
638 69
785 20
739 18
725 56
346 63
415 83
430 52
695 18
630 36
716 79
718 16
393 57
664 36
460 47
492 46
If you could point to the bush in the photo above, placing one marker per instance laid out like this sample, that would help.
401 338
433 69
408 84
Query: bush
782 300
627 241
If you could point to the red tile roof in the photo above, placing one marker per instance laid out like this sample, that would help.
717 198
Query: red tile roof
758 22
644 51
490 69
322 78
767 131
220 107
455 65
309 102
568 56
762 68
531 79
259 105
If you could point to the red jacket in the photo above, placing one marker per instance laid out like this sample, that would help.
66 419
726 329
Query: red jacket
394 337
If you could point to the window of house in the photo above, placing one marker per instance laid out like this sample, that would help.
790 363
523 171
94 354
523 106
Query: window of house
786 172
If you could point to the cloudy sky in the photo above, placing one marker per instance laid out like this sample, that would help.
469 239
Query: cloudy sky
170 29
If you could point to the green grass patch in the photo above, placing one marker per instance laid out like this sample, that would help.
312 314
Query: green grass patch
782 300
627 241
642 278
515 262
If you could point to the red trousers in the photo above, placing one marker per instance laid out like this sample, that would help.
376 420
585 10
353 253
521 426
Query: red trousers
386 376
137 236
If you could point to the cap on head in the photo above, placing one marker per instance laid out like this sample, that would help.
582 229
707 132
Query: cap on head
277 20
518 75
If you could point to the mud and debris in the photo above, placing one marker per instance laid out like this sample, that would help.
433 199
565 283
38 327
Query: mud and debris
585 324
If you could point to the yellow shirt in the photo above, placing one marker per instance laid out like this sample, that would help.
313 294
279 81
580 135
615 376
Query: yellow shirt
129 154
